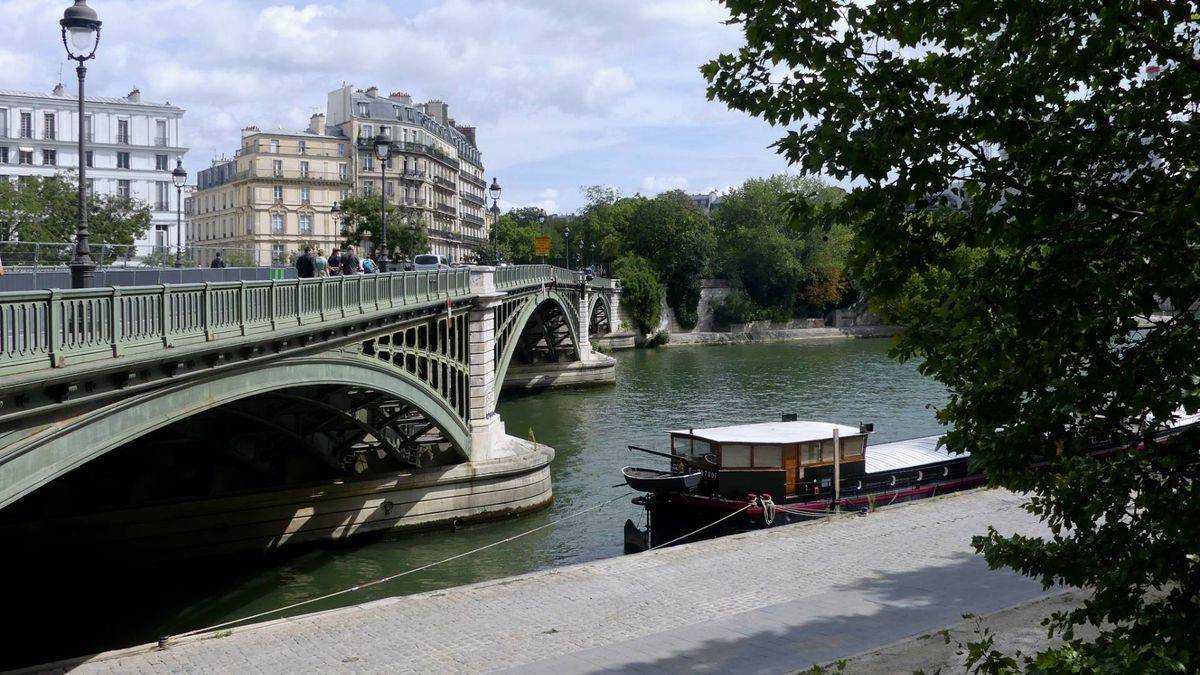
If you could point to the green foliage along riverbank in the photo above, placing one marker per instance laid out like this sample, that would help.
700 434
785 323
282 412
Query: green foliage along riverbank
666 244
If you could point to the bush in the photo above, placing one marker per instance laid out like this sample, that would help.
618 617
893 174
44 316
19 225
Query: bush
737 308
641 291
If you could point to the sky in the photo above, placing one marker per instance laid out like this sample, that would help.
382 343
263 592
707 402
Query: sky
564 93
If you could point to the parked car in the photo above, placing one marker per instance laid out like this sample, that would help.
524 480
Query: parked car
429 261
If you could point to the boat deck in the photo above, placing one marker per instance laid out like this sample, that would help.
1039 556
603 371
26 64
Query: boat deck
906 454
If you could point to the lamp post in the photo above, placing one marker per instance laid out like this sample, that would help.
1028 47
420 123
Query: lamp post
494 191
383 151
179 177
83 24
567 236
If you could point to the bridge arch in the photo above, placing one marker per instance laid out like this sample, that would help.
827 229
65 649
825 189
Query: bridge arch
549 318
60 446
600 315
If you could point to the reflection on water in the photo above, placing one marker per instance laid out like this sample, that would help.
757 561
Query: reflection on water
839 380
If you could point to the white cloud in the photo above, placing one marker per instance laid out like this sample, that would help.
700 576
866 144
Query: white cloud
563 94
652 185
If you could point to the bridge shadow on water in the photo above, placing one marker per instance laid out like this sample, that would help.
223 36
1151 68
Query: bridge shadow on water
844 620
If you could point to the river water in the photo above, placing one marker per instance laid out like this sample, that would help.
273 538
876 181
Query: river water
845 381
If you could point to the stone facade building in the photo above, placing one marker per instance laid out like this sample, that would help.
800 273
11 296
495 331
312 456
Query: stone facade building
133 145
272 198
435 175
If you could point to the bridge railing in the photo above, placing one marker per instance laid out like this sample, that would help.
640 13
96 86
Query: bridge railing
67 327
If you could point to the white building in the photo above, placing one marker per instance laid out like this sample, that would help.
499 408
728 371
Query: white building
132 147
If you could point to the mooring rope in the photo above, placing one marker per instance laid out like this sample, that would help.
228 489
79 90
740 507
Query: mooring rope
383 580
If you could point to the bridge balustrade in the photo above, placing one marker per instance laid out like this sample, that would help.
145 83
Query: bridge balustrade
68 327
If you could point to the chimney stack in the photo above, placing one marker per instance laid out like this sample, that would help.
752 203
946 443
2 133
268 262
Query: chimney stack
469 132
373 92
401 97
249 131
316 124
135 96
438 110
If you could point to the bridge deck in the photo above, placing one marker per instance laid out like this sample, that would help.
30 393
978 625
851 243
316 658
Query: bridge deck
772 601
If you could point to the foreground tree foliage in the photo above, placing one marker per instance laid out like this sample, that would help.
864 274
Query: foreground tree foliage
44 209
1027 195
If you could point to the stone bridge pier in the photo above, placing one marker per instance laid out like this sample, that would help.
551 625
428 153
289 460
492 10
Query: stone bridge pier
254 415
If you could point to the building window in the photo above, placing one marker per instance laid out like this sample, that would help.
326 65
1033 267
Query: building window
304 169
367 163
160 163
26 125
368 188
278 193
306 223
49 157
123 131
3 155
277 254
249 195
162 196
364 110
49 128
122 160
304 194
274 147
366 132
3 122
90 186
277 223
345 193
277 168
249 223
343 171
123 188
90 158
303 147
160 133
87 127
341 149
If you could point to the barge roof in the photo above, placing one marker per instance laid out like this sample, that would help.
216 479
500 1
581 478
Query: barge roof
914 452
772 432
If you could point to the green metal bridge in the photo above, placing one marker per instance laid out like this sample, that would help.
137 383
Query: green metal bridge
366 373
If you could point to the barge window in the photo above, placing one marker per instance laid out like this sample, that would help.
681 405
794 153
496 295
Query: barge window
690 447
768 457
735 456
812 453
852 447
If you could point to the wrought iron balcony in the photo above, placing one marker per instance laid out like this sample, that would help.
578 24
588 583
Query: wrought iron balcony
473 199
444 183
446 207
472 219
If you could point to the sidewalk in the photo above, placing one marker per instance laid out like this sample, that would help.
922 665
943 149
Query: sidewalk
768 602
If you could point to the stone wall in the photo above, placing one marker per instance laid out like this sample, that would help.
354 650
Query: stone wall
712 293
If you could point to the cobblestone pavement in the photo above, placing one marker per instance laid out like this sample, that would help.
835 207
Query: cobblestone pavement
767 602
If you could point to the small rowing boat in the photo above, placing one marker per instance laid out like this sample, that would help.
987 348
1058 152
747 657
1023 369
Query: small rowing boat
650 480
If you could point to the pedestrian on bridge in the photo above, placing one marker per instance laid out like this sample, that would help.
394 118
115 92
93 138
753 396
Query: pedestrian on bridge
217 263
320 264
335 263
305 269
351 265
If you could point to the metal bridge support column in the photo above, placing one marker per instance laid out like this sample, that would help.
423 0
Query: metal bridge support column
487 429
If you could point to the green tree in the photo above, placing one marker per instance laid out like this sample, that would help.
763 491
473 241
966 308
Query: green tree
1026 195
406 232
641 291
676 236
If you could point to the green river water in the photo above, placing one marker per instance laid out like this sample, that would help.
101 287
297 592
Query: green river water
677 387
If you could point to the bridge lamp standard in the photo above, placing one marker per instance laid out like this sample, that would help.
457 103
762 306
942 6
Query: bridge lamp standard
83 24
494 191
567 237
383 151
179 177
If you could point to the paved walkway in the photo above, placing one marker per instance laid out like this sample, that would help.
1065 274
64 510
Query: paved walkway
767 602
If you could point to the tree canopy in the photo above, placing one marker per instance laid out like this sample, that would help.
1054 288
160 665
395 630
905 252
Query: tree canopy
1026 199
45 209
406 232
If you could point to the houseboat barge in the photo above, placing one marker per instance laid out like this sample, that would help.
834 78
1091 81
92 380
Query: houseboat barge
749 476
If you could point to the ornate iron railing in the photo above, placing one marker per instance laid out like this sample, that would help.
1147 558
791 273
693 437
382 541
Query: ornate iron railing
60 328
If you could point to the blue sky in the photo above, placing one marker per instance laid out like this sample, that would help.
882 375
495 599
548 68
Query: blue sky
564 93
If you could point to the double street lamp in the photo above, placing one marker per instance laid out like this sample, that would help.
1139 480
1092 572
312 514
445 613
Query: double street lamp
179 177
83 24
383 151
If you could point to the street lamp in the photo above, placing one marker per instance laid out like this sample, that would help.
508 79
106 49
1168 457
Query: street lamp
83 24
567 236
494 191
179 177
383 151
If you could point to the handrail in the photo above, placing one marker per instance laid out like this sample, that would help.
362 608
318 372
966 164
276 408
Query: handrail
67 327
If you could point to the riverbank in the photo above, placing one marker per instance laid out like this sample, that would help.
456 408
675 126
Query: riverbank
851 584
778 335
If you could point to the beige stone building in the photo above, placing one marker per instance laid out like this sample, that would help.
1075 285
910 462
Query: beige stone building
272 198
275 195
